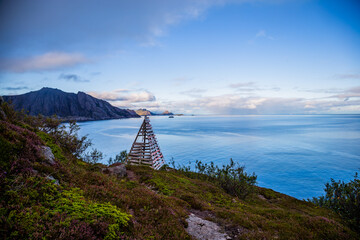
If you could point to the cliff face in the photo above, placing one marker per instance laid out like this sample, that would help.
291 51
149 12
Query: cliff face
80 106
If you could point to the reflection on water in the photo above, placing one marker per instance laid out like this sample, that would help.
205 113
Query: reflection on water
295 155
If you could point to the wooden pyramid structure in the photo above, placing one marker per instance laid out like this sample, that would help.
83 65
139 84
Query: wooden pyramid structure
145 149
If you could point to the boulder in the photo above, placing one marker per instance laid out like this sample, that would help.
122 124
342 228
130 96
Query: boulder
55 181
117 169
203 229
48 155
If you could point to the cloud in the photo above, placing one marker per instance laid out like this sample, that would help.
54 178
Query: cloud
15 88
263 34
346 102
124 96
195 92
72 77
181 80
83 23
249 87
346 95
320 90
242 84
235 104
347 76
44 62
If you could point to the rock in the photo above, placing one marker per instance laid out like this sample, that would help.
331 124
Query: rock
117 169
51 178
48 155
204 229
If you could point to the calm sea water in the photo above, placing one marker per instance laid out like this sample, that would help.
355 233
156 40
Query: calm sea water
295 155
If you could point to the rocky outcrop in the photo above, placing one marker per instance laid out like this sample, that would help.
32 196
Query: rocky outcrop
67 106
48 155
117 169
167 113
202 229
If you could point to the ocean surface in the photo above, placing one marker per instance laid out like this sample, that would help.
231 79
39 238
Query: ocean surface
295 155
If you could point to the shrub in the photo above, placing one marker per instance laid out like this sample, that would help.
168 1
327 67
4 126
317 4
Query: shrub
343 198
119 158
93 157
231 177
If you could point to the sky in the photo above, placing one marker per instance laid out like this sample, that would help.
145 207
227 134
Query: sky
188 56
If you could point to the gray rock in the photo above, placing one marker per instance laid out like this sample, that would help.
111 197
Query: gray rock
48 155
117 169
51 178
202 229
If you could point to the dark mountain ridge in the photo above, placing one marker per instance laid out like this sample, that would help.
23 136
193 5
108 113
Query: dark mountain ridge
67 106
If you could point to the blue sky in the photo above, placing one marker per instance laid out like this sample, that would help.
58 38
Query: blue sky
188 56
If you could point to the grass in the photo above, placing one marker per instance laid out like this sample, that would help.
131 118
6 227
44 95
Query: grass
89 204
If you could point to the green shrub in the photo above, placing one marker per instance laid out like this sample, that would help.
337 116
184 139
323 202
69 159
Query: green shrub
119 158
231 177
343 198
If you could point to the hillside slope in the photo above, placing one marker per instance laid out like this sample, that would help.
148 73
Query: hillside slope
59 196
69 106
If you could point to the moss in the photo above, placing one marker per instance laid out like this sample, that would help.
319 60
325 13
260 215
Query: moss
56 150
74 204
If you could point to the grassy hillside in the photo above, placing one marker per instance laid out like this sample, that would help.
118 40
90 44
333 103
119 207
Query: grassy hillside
72 199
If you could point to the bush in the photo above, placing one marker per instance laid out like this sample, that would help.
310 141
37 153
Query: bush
93 157
119 158
343 198
231 177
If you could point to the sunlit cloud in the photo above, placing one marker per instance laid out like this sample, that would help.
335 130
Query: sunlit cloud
44 62
124 96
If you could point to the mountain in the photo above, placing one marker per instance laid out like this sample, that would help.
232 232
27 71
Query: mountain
167 113
144 112
67 106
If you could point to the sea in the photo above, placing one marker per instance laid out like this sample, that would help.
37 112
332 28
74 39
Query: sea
292 154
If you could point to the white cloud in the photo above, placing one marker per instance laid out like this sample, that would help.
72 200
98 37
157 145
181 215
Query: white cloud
44 62
263 34
125 97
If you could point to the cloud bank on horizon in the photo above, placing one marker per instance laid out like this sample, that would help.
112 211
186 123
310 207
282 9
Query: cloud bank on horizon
188 56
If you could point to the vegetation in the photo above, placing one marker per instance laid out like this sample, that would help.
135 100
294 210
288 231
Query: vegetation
119 158
231 177
343 198
74 199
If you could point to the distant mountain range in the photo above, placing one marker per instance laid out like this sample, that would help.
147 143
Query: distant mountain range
67 106
144 112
